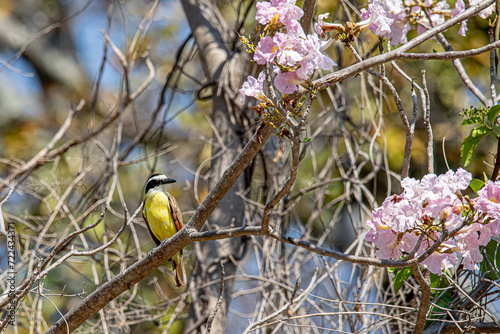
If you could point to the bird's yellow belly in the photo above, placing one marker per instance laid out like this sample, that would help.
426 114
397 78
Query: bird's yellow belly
157 209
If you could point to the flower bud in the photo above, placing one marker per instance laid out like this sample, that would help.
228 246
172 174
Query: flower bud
445 213
457 209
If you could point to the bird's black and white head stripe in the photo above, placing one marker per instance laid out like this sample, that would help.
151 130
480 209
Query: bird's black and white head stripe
157 180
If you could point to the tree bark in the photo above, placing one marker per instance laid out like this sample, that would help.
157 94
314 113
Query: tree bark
229 71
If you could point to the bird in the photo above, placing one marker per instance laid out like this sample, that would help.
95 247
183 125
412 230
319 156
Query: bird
163 218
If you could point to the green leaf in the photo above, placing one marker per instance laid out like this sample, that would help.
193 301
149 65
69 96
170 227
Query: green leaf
496 129
476 185
491 262
441 299
401 277
438 283
306 140
470 143
472 120
480 132
493 113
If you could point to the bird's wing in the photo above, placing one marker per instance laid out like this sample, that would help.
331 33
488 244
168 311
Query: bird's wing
176 213
144 214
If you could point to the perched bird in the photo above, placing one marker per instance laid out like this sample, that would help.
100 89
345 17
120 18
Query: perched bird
163 218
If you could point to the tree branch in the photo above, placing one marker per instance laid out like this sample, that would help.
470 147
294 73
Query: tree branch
159 255
399 52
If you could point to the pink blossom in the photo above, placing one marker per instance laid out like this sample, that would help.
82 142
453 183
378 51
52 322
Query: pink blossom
435 207
485 13
391 245
266 51
394 6
290 50
293 28
399 28
388 245
410 186
315 57
427 12
437 261
435 14
494 227
401 23
404 215
423 207
321 26
469 240
286 82
488 200
460 8
254 87
318 26
375 224
305 69
302 55
376 19
455 220
444 258
470 258
451 181
475 234
288 13
402 12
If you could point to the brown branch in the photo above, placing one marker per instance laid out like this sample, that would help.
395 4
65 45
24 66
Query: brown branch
476 327
451 55
219 301
409 129
424 284
194 235
159 255
308 9
289 183
39 158
493 88
428 127
37 274
462 73
494 175
399 52
47 154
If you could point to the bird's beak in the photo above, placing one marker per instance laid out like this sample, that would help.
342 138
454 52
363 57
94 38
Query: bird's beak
168 180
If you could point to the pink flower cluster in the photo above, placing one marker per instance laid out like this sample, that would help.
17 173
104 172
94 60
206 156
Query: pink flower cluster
293 55
405 12
485 13
421 212
393 18
376 19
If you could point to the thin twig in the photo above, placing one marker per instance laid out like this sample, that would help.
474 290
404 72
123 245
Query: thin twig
423 282
428 127
219 300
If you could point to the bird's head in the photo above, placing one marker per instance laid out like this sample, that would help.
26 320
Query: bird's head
156 181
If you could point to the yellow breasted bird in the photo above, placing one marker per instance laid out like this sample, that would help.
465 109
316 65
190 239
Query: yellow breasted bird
163 218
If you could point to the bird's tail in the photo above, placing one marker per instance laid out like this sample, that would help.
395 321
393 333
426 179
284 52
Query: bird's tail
178 269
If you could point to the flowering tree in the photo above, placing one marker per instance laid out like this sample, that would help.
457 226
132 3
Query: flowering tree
290 233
